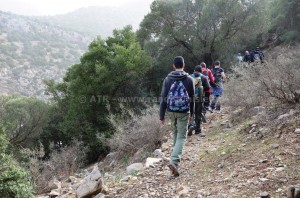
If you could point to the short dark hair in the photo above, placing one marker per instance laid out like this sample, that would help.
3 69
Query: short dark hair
203 65
198 68
217 63
178 62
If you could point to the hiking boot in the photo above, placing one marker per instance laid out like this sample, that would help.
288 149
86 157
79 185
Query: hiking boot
190 129
198 131
210 110
173 169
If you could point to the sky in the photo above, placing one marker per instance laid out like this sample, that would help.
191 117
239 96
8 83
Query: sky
54 7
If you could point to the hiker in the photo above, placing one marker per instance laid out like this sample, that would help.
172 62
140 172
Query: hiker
201 85
247 57
177 97
217 89
208 74
258 55
239 58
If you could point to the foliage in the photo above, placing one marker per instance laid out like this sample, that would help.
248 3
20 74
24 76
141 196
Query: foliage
14 180
200 30
110 69
286 19
23 118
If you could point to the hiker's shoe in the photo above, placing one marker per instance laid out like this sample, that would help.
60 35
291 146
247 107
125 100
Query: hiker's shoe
219 111
190 130
210 110
198 131
173 169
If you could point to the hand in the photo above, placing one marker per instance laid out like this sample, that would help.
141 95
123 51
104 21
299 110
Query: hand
190 118
162 122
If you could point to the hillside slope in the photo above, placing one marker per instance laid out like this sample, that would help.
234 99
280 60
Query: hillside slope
101 21
31 51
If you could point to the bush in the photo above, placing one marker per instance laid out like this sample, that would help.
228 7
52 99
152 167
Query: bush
140 133
61 164
291 36
278 79
15 181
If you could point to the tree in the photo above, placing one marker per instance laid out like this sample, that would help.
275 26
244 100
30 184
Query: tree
23 119
286 19
14 180
110 69
200 30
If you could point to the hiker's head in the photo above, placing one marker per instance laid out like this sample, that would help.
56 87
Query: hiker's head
247 52
203 65
198 68
217 63
178 62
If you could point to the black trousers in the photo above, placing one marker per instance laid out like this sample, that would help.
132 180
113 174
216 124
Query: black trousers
206 101
198 113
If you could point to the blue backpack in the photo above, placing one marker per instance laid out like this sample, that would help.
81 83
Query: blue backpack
178 99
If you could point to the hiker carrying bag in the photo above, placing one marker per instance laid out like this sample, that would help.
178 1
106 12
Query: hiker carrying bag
178 99
198 85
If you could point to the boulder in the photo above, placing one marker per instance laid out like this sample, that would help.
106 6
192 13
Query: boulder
133 168
297 131
91 185
100 195
158 153
151 161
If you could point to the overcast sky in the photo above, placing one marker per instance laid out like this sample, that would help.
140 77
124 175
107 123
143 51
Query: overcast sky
53 7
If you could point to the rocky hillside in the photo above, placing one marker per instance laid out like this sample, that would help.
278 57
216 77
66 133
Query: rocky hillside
31 51
235 159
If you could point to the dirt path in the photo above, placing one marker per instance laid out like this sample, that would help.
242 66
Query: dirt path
228 162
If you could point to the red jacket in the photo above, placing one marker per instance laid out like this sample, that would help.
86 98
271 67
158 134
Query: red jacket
210 77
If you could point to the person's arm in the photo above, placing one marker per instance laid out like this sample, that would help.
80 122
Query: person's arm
163 102
191 95
205 83
211 76
223 76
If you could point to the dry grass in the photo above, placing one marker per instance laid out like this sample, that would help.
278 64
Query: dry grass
61 164
137 137
255 84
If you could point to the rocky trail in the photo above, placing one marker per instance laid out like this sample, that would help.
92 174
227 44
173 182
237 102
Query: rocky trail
243 160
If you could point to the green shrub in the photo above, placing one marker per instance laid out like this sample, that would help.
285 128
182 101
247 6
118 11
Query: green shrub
14 180
291 36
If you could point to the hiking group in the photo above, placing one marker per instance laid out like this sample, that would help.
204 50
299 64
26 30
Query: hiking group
186 99
255 55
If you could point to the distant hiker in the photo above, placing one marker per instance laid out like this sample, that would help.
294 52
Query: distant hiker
217 90
247 57
208 74
239 58
252 55
201 85
258 55
177 97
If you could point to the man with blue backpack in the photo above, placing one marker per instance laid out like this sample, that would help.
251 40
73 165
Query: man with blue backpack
177 97
201 85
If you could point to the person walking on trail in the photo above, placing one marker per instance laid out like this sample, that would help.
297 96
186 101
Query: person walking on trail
217 89
177 97
201 84
208 74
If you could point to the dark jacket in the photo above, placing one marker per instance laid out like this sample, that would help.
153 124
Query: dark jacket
187 82
204 81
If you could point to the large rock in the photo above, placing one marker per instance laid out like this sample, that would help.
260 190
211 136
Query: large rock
151 161
91 185
133 168
297 131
